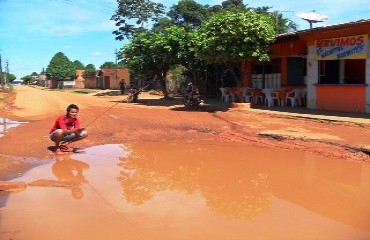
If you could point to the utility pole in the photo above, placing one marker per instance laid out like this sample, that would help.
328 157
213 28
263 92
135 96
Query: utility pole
116 53
6 72
1 72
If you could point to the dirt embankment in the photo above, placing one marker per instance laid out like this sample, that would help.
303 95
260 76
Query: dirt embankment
111 120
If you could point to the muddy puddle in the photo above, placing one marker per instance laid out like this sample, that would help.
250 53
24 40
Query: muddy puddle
190 191
6 124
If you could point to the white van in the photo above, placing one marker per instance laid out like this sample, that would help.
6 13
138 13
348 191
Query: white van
16 82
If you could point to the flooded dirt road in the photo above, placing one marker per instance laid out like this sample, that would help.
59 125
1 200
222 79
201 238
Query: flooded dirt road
154 171
190 191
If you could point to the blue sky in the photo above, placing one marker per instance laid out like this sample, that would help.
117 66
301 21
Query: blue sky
33 31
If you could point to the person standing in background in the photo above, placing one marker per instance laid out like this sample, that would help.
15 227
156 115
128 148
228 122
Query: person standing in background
122 86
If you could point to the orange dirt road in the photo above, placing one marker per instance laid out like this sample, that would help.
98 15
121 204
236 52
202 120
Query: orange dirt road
154 170
153 119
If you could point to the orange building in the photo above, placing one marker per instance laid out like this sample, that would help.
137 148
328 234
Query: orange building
104 79
110 78
332 63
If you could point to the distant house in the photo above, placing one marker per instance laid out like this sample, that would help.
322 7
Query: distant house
103 79
41 80
110 78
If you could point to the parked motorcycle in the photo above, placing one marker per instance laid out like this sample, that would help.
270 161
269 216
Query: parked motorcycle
192 101
191 96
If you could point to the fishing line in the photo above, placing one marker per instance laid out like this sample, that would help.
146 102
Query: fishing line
102 114
140 89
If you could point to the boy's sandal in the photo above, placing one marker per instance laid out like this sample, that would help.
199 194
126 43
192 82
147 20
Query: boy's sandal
65 148
58 152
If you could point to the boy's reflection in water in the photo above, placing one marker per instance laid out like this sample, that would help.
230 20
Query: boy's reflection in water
69 171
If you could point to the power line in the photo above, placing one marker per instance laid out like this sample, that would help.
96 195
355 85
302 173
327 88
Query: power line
86 6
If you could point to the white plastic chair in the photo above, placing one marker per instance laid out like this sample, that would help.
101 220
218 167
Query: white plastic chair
270 97
295 97
226 96
248 96
304 97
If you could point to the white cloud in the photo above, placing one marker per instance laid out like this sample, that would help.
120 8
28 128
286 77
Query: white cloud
100 53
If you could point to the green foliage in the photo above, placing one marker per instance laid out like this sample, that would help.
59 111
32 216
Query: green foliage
132 15
108 65
281 24
188 13
34 74
162 23
11 77
230 37
78 65
234 5
89 70
26 79
60 68
193 35
154 53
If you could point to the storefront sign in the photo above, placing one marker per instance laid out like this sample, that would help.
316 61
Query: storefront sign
352 47
68 83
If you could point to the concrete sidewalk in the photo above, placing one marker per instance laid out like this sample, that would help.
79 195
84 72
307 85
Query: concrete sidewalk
299 112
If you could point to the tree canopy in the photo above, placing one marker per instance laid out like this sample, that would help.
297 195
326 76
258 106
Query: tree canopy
154 53
89 70
133 15
60 68
78 65
109 65
188 13
232 37
192 35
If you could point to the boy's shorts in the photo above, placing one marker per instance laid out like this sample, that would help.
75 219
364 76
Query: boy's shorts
68 137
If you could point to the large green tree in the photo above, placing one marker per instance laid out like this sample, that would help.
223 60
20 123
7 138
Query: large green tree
154 53
89 70
26 79
9 77
188 13
134 16
281 24
78 65
60 68
109 65
233 37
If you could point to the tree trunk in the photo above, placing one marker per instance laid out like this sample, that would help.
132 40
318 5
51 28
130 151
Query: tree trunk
232 67
163 76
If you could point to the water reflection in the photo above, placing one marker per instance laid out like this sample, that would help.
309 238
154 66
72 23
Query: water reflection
69 174
200 191
70 171
242 182
228 187
6 124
